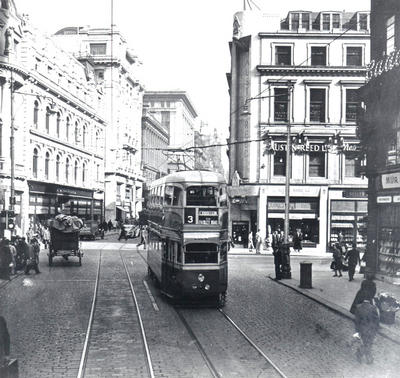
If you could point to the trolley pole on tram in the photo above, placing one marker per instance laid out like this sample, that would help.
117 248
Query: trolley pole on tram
286 270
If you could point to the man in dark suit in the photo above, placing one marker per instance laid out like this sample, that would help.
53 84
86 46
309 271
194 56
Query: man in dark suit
276 251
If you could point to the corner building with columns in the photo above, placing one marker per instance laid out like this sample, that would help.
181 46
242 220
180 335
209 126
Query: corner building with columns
318 59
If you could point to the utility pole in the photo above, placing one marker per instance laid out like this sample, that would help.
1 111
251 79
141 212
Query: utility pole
286 270
12 157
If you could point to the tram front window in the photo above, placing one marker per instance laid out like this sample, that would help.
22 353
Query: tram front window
201 196
201 253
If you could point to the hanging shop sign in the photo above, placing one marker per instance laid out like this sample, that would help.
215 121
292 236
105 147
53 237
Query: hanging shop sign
391 180
354 193
396 199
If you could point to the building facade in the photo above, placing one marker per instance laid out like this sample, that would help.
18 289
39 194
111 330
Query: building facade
380 133
155 142
306 70
118 69
52 129
178 116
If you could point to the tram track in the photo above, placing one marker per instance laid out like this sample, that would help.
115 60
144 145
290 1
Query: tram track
82 371
213 369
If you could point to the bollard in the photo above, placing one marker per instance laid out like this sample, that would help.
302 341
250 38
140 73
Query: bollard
306 275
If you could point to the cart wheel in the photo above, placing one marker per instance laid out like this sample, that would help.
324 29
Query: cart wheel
50 259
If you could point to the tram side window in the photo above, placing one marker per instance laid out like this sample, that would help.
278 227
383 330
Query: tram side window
201 253
169 192
224 252
177 200
201 196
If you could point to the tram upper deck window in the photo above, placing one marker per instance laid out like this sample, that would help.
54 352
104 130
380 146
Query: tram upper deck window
201 196
201 253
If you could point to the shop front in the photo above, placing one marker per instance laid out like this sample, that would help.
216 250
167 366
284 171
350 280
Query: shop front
349 216
47 200
303 216
388 225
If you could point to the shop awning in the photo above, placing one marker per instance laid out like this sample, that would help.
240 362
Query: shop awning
297 216
243 191
342 225
122 209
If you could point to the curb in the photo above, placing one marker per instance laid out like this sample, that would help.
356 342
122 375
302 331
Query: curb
15 276
384 330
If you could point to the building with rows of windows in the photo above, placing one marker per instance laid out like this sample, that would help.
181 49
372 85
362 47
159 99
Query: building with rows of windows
318 59
380 133
58 127
119 70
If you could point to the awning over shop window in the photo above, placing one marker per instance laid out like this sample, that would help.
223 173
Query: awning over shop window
122 209
243 191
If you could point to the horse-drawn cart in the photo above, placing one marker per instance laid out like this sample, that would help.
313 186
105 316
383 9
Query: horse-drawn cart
64 238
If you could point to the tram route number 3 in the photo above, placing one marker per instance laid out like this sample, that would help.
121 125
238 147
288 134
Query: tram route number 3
190 216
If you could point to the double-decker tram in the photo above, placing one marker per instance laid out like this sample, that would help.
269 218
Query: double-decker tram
187 245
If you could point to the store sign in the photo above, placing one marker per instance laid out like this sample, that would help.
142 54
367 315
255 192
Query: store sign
391 180
396 199
317 147
384 199
200 235
355 193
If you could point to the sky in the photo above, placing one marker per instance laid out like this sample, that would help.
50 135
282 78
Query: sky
183 44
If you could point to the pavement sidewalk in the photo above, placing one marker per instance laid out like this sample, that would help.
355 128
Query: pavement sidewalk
312 252
338 293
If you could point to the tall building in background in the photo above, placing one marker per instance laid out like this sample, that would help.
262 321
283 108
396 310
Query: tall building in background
178 115
380 133
207 157
321 58
51 128
117 68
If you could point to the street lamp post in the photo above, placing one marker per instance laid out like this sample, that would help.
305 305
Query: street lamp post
286 270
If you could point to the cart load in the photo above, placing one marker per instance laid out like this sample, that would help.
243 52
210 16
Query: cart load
64 237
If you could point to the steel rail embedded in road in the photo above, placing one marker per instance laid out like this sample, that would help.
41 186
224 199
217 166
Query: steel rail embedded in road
84 356
279 371
210 365
144 338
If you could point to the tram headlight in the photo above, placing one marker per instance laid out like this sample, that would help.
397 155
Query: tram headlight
207 287
200 277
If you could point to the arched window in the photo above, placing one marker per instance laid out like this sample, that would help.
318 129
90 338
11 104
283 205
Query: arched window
35 163
58 167
36 114
76 133
48 120
46 166
67 170
83 173
67 125
58 125
76 173
84 136
97 141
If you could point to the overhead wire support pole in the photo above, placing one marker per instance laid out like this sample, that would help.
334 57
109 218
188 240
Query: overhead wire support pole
12 146
286 270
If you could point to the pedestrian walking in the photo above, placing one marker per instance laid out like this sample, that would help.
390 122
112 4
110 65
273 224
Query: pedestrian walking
13 251
31 255
4 342
141 236
46 237
258 242
276 251
145 234
110 225
367 291
353 258
250 243
366 324
5 259
337 260
104 225
297 239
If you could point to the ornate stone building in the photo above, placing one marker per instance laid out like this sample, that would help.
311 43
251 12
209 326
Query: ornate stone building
117 68
54 111
318 59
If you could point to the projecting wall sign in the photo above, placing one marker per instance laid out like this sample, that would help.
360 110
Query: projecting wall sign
391 180
384 199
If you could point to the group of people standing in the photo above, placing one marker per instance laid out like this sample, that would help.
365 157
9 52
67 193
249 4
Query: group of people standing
258 242
18 254
341 254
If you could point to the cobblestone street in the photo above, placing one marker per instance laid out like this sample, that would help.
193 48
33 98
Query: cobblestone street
48 315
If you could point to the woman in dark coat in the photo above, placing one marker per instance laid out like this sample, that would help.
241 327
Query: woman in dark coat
367 291
5 259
